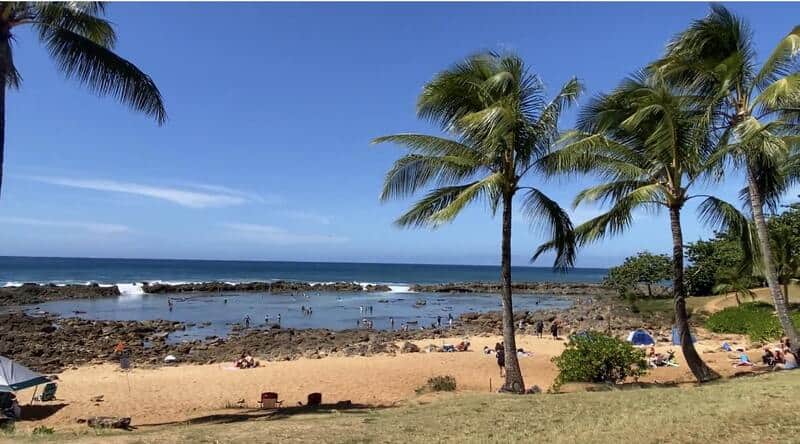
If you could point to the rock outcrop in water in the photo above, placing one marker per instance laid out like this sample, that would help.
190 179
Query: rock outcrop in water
556 288
50 344
274 287
36 294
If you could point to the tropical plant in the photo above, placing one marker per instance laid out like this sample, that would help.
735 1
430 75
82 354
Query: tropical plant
647 141
755 112
713 258
595 357
82 44
787 261
736 282
502 127
644 268
755 319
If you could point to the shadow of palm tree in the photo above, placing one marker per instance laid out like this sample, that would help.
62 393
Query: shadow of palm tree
271 414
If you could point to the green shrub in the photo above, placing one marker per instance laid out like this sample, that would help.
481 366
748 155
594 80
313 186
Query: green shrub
755 319
596 357
439 384
43 430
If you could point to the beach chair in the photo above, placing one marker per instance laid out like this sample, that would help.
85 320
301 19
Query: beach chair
49 392
269 400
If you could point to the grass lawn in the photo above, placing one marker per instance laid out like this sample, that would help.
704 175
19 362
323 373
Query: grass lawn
745 410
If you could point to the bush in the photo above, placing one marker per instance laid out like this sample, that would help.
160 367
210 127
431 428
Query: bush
439 384
596 357
43 430
754 319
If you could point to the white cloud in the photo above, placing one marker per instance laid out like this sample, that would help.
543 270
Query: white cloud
280 236
306 216
93 227
219 197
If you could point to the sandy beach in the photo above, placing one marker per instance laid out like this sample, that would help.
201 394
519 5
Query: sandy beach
175 394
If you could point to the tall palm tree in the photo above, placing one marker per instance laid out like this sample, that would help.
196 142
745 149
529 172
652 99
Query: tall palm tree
501 126
756 112
787 262
82 44
648 144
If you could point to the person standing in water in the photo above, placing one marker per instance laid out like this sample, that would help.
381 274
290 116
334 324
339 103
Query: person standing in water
247 321
279 319
391 323
439 320
266 318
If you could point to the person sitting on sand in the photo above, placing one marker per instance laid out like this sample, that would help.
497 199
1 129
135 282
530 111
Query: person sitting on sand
778 356
768 357
462 346
487 350
501 358
789 361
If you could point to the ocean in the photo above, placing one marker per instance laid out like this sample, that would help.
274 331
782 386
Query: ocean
17 270
214 314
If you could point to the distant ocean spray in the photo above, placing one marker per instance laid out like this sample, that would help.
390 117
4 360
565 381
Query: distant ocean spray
129 273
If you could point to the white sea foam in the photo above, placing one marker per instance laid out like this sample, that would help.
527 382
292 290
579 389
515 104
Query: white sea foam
401 288
134 289
12 284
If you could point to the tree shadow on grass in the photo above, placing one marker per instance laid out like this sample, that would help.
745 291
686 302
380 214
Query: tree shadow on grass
272 414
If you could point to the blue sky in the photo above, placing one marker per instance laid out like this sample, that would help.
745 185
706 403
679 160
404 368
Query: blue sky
266 153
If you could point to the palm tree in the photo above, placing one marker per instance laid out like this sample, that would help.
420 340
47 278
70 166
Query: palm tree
648 143
501 127
787 262
82 44
736 282
755 112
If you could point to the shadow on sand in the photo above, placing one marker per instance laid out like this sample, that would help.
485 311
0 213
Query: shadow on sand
38 412
270 414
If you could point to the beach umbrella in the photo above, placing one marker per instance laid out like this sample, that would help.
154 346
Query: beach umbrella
14 376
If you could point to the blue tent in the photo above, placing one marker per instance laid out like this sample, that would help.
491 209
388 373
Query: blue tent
641 337
676 337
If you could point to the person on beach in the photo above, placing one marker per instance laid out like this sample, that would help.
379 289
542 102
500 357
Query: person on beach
554 329
370 309
169 303
500 353
768 358
789 361
246 321
391 323
521 325
225 301
539 328
450 321
279 319
439 321
309 310
266 318
450 316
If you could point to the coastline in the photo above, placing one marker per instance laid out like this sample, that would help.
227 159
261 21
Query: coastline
36 293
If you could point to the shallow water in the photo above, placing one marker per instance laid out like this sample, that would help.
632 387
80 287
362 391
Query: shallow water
336 311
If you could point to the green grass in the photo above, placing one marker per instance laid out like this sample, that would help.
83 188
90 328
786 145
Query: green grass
746 410
755 319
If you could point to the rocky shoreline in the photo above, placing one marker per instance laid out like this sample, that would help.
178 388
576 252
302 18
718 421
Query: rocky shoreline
555 288
35 293
31 293
51 344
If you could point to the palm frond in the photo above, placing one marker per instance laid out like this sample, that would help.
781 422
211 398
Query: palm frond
781 62
74 17
104 72
545 213
414 171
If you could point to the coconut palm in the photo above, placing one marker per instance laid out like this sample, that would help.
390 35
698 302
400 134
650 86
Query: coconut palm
500 127
755 111
736 282
787 262
648 144
82 44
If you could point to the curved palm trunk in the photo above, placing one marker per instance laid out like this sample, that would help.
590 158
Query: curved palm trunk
770 272
514 382
699 368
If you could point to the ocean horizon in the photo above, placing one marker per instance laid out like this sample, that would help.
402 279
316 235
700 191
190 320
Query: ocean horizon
16 270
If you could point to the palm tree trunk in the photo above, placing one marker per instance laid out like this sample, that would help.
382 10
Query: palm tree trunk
514 382
699 368
786 293
781 308
5 65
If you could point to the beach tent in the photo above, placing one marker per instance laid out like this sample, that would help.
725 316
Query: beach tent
14 376
641 337
676 337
